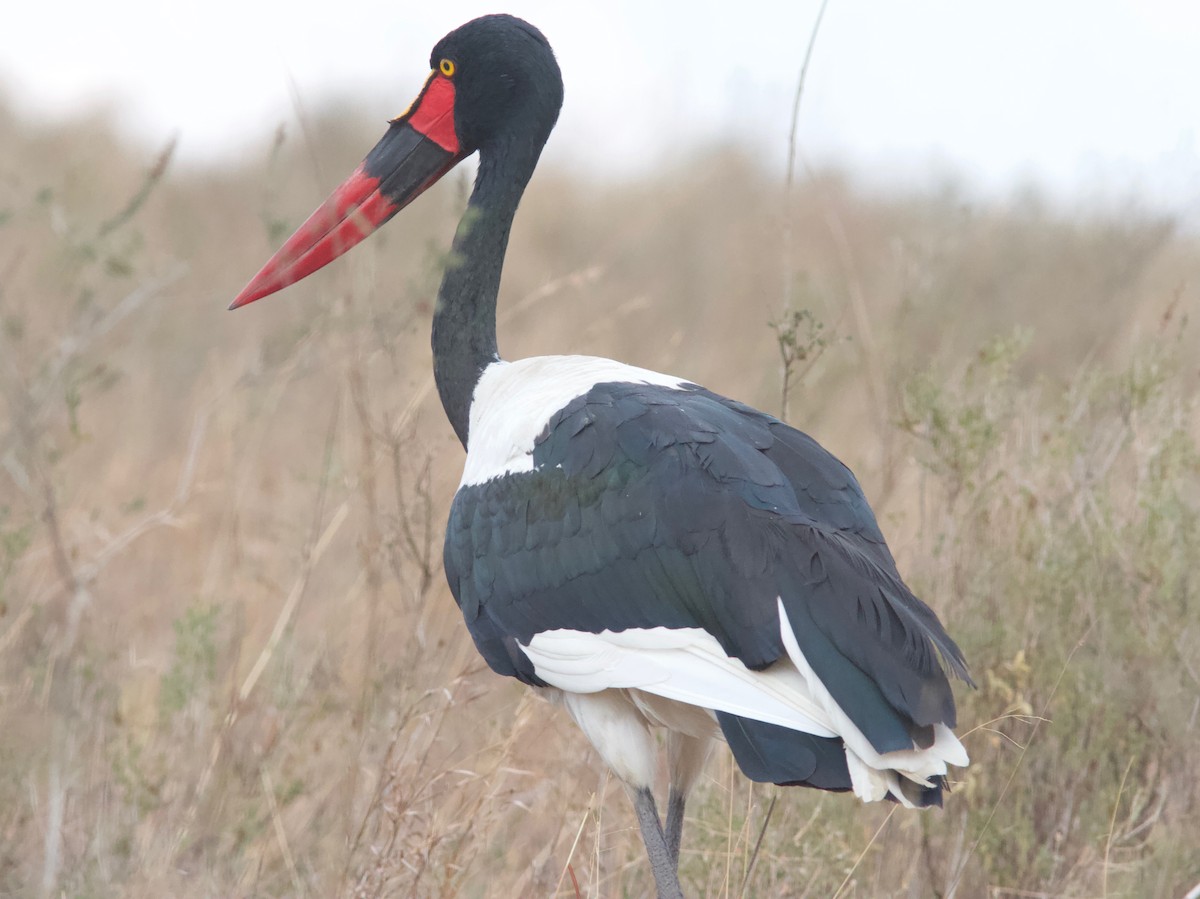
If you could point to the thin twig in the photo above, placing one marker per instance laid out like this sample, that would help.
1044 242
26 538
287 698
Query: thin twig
987 725
876 382
165 517
36 396
758 845
789 212
372 540
863 854
293 600
302 117
280 832
418 549
732 790
962 867
578 833
56 794
312 555
153 176
14 629
1112 823
789 215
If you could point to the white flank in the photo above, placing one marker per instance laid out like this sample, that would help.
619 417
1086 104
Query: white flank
617 723
513 402
684 664
615 684
875 774
613 724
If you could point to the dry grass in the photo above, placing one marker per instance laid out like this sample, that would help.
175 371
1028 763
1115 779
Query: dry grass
229 665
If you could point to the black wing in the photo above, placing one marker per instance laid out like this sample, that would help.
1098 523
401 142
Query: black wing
651 506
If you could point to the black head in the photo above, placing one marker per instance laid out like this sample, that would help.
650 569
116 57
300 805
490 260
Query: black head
495 87
506 79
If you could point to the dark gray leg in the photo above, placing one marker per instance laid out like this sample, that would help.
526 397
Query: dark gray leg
661 860
674 828
686 756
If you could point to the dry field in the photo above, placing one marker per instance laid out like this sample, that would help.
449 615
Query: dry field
230 666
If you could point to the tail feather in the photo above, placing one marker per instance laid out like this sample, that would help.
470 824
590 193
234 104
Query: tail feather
768 753
912 771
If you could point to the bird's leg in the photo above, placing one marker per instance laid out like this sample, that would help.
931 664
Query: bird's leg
615 726
674 828
686 756
661 860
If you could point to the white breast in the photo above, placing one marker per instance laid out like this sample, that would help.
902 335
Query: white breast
513 402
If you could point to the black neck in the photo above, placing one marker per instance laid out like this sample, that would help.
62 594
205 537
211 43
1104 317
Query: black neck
464 323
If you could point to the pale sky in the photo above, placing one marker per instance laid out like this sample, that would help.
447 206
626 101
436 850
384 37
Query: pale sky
1097 101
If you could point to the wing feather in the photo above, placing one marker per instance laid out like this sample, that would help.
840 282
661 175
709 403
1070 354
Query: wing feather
651 508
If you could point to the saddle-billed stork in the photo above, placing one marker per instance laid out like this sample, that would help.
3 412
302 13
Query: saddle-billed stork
643 551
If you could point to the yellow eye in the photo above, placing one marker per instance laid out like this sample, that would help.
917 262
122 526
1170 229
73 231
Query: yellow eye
447 67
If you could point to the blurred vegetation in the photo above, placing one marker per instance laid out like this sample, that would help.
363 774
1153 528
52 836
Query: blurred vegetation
229 664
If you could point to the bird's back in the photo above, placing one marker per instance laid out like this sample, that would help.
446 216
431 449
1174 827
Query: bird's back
607 499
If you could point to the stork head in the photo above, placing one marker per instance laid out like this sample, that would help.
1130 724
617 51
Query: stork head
506 79
494 86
